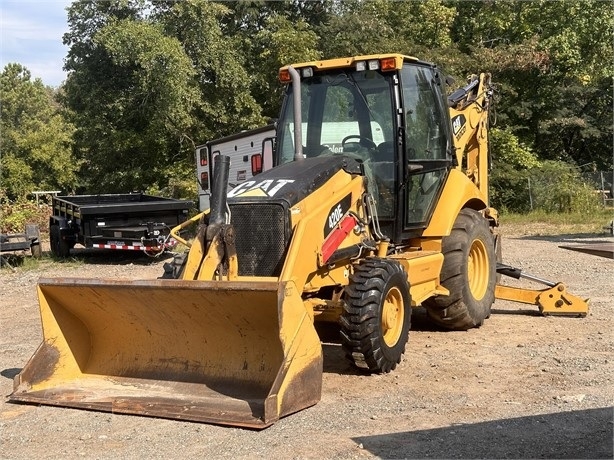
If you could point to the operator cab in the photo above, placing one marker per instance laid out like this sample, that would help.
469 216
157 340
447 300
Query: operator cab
377 110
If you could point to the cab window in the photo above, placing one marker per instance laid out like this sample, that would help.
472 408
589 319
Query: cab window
425 132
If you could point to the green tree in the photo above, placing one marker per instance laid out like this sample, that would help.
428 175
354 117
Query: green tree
149 79
558 187
509 176
132 91
36 138
225 104
382 26
279 43
554 66
268 35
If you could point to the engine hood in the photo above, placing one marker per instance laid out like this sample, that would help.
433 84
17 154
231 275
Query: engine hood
292 182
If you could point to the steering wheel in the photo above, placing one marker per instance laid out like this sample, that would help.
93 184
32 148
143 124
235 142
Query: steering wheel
363 141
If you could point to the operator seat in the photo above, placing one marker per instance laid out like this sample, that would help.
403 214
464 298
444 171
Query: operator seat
383 167
384 152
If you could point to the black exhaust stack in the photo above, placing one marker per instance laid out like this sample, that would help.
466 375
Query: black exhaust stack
221 168
217 215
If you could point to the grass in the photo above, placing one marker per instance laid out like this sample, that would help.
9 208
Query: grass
532 224
25 262
541 223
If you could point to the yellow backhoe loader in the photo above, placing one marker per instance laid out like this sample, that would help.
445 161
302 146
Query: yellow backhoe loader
378 203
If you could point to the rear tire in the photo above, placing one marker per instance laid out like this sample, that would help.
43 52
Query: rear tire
468 272
377 314
59 247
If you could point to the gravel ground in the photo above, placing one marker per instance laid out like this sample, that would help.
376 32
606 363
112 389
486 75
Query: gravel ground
521 386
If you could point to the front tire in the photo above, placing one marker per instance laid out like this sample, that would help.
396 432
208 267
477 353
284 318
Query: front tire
468 272
377 314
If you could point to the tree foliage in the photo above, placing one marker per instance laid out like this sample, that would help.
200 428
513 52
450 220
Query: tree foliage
149 79
558 187
131 90
280 42
225 104
36 138
554 64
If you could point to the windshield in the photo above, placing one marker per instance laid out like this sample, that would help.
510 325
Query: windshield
335 106
345 112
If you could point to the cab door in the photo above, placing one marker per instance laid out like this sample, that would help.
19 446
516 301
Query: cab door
428 151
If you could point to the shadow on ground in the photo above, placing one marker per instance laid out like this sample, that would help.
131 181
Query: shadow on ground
335 361
575 434
10 373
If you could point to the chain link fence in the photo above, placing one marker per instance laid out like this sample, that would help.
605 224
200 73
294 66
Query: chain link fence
603 182
553 187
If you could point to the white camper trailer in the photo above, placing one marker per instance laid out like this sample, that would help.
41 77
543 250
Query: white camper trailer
250 152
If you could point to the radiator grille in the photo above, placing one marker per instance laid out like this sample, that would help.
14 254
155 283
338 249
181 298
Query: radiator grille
261 236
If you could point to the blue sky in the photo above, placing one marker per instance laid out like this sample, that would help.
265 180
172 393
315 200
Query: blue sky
31 34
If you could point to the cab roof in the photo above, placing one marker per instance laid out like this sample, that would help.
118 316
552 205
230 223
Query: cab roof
399 59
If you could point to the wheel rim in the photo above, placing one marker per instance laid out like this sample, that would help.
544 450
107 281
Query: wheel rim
478 269
393 315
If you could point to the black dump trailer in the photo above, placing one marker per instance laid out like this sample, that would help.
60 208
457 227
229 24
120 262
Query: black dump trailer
130 221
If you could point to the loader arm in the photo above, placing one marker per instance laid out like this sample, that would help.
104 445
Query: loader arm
212 252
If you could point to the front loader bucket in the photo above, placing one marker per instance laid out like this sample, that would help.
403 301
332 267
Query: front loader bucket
233 353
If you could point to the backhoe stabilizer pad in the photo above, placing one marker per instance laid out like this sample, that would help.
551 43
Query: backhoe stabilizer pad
557 301
554 300
232 353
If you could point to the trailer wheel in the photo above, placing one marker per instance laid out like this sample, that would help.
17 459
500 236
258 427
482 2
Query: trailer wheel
36 250
59 247
468 272
376 316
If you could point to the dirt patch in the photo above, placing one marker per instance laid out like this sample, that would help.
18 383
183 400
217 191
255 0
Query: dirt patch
520 386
